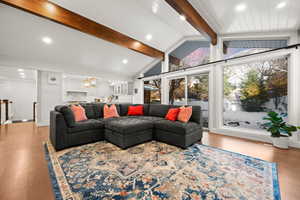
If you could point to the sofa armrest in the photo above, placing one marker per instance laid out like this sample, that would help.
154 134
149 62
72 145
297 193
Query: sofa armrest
58 130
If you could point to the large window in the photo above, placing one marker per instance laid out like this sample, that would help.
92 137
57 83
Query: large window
152 91
191 90
198 94
253 89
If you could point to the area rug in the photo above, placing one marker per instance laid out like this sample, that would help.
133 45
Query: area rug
157 171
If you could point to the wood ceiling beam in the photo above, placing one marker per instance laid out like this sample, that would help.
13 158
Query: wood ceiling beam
53 12
183 7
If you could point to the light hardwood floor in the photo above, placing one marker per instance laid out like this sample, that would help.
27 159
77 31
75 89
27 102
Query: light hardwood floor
24 172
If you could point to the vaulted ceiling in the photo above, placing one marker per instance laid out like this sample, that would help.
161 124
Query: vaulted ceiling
236 16
73 51
78 53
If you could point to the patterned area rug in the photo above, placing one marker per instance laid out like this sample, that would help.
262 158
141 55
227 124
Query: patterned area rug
156 171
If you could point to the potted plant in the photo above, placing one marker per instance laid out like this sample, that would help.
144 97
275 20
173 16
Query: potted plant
279 129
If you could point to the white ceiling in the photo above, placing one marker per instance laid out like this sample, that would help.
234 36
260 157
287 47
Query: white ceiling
259 15
74 52
135 18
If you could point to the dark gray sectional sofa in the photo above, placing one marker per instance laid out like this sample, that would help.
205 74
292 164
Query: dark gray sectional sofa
124 131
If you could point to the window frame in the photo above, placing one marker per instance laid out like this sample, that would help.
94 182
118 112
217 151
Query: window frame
261 135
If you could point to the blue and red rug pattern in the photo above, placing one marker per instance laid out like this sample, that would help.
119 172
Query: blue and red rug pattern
157 171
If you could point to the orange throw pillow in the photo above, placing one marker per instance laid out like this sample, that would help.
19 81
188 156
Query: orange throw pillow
172 114
110 112
185 114
79 113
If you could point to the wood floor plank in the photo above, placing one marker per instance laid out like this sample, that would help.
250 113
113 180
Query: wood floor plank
24 173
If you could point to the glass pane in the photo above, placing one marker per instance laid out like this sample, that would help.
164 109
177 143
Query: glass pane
177 91
235 48
189 54
152 91
251 90
198 94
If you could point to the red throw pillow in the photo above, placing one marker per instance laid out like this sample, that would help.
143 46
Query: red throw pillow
172 114
185 114
135 110
79 113
110 112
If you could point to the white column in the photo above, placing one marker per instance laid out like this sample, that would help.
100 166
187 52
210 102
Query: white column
294 92
138 93
164 81
49 95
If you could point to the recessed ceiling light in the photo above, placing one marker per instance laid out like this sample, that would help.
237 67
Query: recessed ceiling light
155 7
182 17
125 61
149 37
20 70
281 5
22 74
241 7
47 40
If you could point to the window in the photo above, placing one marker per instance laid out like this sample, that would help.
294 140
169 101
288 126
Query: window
198 86
152 91
177 91
155 70
189 54
253 89
235 48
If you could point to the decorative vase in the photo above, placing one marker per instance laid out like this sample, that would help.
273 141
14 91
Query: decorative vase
281 142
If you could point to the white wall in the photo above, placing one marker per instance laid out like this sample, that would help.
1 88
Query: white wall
48 96
102 89
22 93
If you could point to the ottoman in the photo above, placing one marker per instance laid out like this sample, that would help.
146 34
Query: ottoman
128 131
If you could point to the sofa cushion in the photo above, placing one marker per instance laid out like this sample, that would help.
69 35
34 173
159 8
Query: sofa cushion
196 115
158 110
98 109
177 127
67 113
89 110
149 118
127 125
89 124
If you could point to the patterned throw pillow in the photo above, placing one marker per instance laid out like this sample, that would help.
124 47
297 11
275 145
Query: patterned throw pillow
185 114
110 112
79 113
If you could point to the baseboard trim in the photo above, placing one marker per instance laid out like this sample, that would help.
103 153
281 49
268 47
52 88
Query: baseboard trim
40 124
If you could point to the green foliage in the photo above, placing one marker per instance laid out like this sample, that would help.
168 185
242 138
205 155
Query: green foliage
228 87
277 127
253 92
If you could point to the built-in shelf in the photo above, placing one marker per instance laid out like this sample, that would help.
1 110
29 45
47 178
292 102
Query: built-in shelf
73 91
